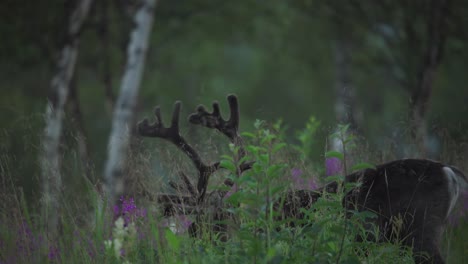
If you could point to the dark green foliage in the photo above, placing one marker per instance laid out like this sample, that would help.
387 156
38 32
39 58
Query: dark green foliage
277 56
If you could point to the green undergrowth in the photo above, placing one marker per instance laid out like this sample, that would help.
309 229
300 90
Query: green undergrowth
253 230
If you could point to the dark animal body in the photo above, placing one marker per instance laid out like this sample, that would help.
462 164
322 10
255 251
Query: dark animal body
419 193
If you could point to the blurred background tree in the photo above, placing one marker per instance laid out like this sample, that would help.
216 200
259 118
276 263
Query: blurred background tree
284 59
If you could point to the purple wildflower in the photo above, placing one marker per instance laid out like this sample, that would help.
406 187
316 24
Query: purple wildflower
129 211
27 242
185 222
53 253
116 210
91 248
296 173
333 166
312 184
300 183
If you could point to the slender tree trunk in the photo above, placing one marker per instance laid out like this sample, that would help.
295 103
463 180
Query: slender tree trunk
345 108
50 156
119 141
104 35
344 90
81 136
436 36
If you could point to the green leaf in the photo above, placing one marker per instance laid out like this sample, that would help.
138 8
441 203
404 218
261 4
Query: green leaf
362 166
334 178
278 147
271 253
227 157
226 164
334 154
253 150
366 214
258 123
257 168
264 158
248 135
267 138
172 240
245 179
274 170
277 190
244 159
234 199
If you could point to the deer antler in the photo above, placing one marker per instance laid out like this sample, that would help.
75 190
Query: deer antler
229 128
172 134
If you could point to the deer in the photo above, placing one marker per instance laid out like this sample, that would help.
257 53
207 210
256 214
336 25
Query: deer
420 192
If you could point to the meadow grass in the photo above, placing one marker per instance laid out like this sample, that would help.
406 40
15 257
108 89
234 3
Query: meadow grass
135 231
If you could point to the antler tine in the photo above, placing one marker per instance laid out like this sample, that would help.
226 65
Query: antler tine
234 108
153 130
172 134
216 112
157 114
215 120
175 116
228 127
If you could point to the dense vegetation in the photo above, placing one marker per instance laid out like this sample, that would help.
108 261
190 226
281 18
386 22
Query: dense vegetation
282 59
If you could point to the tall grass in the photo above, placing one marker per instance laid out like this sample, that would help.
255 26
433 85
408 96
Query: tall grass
135 231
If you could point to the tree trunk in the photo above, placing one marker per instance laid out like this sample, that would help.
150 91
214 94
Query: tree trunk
345 108
81 136
105 40
50 157
344 90
119 141
436 36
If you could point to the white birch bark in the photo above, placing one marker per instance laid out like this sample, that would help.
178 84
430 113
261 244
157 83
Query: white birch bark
50 156
119 140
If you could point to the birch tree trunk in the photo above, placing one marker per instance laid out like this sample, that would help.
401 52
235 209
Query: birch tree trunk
50 156
124 110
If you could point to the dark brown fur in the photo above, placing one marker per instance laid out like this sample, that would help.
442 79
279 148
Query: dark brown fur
415 191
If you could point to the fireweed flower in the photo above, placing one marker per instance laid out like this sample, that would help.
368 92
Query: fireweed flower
129 211
333 166
185 222
26 241
300 183
124 233
53 253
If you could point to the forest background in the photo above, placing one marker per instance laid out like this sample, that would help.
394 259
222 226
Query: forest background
394 70
286 60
